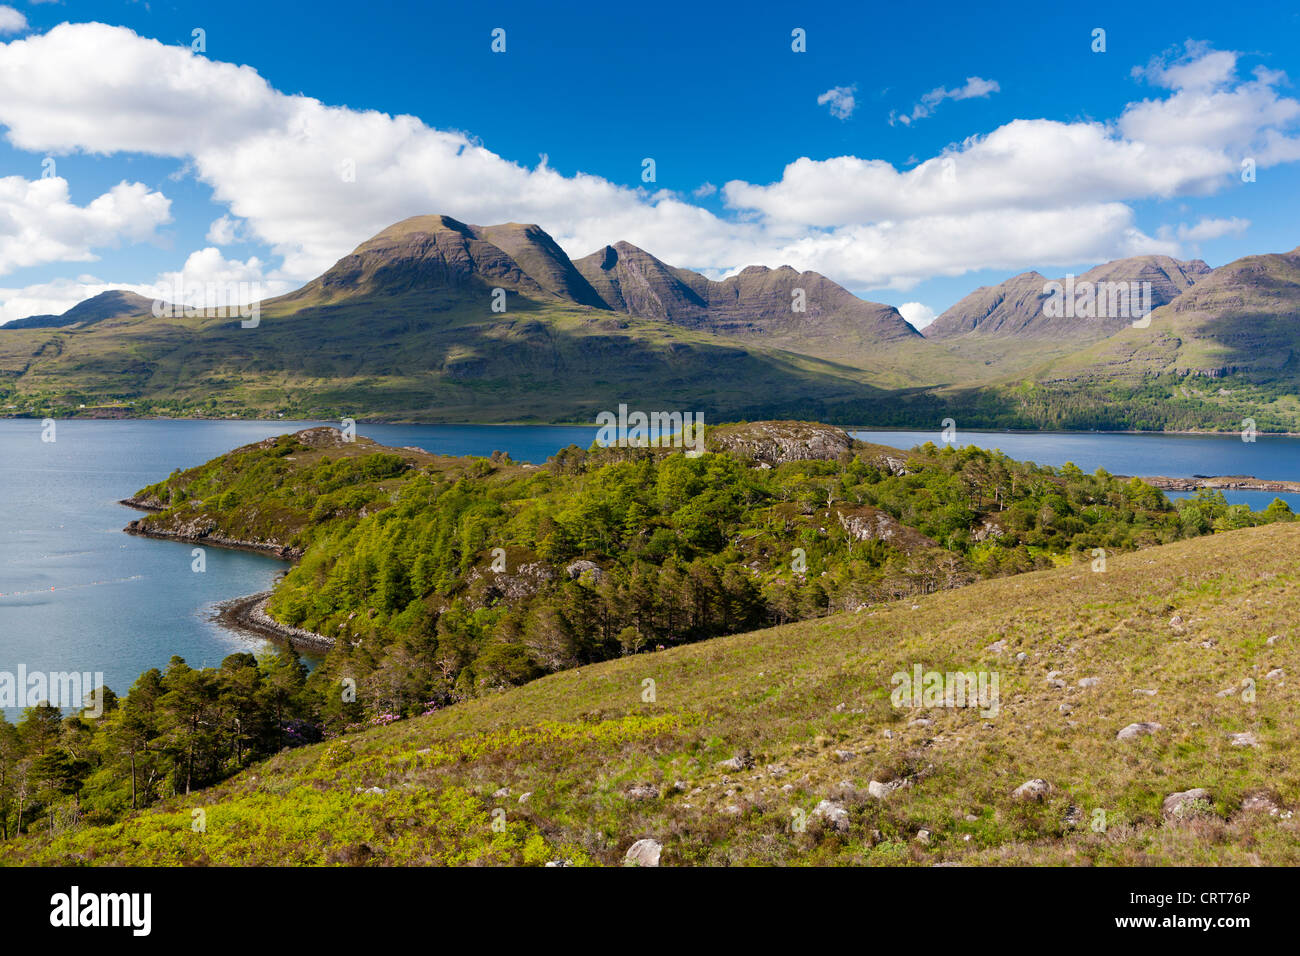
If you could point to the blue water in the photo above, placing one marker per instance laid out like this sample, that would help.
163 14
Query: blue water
1173 456
76 594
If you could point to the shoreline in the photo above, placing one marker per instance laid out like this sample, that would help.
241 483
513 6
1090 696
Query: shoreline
586 424
1218 483
249 615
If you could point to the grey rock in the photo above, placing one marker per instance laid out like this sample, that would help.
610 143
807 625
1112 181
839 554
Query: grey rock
834 814
1185 802
643 853
1143 729
1036 789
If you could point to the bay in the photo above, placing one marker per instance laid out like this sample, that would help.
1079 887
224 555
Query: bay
77 594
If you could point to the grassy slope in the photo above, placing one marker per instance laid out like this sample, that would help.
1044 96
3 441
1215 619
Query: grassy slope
579 739
415 357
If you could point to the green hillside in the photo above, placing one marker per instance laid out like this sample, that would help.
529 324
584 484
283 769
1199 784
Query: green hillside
579 765
435 320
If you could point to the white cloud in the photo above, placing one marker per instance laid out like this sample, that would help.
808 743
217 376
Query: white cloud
974 86
917 313
207 269
39 224
224 231
841 101
1207 229
11 20
704 190
204 268
1030 193
49 298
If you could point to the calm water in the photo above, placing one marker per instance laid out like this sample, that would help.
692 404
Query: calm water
1174 456
76 594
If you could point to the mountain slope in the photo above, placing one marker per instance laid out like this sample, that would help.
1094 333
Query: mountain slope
113 304
803 715
440 255
1016 307
799 311
1007 327
407 326
1243 318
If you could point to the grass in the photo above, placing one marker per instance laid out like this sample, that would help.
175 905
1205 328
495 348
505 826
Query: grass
809 703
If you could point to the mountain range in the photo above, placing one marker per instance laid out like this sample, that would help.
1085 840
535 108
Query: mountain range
411 325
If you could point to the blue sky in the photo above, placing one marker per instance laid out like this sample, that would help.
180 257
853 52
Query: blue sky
556 128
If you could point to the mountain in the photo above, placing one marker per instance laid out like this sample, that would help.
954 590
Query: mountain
1017 307
1243 317
801 311
406 326
114 304
441 255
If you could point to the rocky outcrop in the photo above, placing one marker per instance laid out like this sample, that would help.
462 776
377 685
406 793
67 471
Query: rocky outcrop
1186 803
775 443
518 580
203 530
867 523
1220 482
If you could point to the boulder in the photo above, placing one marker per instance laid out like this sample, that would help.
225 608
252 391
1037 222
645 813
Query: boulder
1036 789
1144 729
882 790
643 853
833 814
1185 802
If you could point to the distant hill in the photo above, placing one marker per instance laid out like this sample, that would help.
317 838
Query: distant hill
406 326
114 304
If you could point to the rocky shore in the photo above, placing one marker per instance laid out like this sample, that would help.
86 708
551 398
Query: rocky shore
1220 483
249 614
196 532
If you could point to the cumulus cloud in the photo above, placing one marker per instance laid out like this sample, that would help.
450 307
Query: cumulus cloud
50 298
840 100
11 20
1206 229
311 181
224 231
704 190
917 313
974 86
39 224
